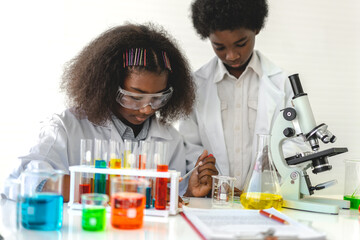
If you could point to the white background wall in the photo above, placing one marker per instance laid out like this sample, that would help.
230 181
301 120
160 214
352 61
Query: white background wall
320 40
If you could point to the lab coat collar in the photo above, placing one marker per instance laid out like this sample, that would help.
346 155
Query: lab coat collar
156 129
253 64
159 130
220 71
267 66
269 96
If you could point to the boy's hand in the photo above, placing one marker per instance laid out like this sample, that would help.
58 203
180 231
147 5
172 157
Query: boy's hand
200 182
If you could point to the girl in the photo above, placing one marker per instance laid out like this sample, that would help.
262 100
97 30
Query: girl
130 82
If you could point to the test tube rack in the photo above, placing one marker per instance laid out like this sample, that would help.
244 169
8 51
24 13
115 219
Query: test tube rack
75 175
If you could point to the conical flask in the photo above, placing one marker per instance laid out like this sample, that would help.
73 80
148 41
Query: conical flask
262 188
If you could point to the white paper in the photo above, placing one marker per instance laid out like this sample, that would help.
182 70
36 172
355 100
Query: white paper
246 224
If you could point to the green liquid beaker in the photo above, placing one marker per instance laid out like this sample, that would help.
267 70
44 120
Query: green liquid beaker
94 211
352 183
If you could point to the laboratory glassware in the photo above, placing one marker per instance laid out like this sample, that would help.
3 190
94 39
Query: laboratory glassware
94 211
130 152
352 183
222 190
262 187
127 202
85 161
41 201
160 160
101 161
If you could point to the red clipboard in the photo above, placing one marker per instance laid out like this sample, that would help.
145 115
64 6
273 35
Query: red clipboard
192 226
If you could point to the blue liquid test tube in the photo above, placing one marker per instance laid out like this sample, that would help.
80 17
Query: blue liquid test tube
101 159
145 163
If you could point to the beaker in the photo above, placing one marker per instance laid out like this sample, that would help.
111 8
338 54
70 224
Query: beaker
41 202
94 211
262 188
352 183
222 190
128 202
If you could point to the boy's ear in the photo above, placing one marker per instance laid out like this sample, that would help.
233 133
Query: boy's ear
257 31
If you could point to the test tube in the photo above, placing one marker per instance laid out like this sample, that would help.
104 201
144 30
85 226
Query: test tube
115 154
101 159
161 166
144 163
85 161
115 160
144 152
130 153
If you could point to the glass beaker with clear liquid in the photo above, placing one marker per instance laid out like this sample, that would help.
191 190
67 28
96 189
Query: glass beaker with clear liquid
222 190
262 187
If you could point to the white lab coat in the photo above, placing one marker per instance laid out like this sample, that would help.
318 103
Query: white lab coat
203 130
58 146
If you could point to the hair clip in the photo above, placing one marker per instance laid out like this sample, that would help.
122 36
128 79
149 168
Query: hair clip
137 57
166 61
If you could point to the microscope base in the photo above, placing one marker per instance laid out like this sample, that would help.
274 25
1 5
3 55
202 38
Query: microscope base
314 204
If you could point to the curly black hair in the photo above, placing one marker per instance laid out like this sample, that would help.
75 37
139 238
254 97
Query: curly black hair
212 15
92 78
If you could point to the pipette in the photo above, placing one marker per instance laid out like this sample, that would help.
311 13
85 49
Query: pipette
186 175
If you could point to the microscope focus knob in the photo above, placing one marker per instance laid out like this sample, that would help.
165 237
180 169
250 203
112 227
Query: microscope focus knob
289 114
289 132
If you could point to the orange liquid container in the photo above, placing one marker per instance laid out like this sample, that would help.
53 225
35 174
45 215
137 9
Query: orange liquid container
142 163
161 189
127 210
84 188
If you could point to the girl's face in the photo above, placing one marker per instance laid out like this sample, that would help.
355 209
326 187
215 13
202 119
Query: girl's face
141 82
234 48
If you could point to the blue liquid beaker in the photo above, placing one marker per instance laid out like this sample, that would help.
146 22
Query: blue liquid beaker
40 202
43 211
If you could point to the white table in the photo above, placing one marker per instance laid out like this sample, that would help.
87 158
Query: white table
346 225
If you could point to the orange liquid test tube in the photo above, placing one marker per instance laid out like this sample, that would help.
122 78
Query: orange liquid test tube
86 161
161 189
161 183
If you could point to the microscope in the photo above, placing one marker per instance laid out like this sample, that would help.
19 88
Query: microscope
296 187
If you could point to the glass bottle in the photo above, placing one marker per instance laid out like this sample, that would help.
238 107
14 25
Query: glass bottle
262 188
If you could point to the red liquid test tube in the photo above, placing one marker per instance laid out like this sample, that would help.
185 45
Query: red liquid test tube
161 189
161 183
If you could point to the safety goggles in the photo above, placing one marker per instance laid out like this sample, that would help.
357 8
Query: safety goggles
136 101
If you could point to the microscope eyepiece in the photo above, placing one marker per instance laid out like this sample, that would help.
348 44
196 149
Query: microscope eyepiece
296 85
